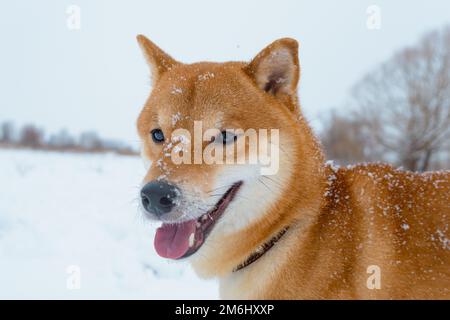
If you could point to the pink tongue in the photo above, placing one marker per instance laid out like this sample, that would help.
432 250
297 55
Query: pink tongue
172 240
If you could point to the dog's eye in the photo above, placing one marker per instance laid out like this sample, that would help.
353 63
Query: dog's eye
157 135
227 137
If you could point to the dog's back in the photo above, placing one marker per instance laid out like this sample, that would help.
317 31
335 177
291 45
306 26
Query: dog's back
400 224
382 233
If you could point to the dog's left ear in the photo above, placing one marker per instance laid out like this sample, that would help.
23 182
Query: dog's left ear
157 59
276 69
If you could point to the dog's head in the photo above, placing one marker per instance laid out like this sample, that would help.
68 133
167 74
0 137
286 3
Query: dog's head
227 154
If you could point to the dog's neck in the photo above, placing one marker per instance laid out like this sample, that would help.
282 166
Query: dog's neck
261 250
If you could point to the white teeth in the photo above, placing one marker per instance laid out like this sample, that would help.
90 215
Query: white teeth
191 239
204 217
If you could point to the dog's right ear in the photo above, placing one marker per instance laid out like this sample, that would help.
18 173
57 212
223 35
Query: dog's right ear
158 60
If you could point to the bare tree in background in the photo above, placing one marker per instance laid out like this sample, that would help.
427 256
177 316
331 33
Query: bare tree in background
7 132
345 141
62 140
405 104
90 141
31 136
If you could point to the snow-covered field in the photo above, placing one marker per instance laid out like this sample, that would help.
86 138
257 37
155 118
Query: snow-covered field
61 209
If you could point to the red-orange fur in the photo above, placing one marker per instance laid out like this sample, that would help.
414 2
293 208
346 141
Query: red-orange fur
341 220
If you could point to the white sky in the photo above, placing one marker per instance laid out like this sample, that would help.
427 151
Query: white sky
95 78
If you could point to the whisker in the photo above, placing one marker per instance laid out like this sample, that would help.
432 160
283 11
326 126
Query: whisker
226 186
278 183
265 185
216 195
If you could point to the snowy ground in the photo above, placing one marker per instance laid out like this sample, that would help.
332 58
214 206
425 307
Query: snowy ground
62 209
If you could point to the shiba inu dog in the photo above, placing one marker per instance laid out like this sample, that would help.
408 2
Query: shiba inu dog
307 230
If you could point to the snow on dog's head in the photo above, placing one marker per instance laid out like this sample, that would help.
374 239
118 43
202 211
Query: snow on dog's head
221 141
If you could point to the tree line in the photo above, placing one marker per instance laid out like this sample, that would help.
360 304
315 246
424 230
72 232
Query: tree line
30 136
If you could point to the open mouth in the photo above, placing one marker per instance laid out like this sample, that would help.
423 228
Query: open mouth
180 240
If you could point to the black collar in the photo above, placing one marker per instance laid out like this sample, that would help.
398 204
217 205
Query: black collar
261 250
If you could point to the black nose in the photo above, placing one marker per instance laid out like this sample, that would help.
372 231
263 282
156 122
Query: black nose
159 197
